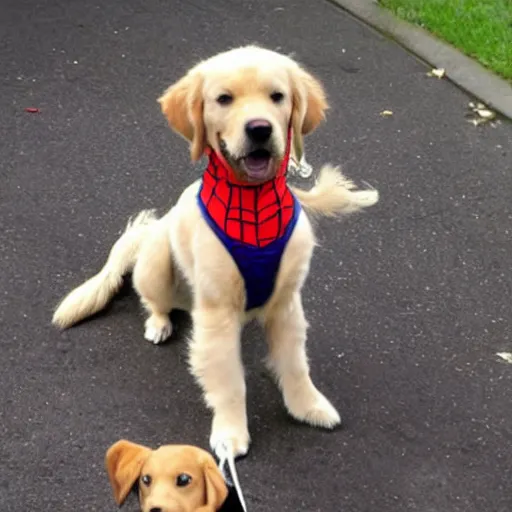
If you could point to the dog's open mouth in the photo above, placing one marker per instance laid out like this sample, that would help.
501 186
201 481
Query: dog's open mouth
258 164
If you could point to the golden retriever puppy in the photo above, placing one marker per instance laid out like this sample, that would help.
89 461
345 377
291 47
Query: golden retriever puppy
238 243
172 478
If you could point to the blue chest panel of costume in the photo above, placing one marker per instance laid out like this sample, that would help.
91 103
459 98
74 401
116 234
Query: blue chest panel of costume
257 265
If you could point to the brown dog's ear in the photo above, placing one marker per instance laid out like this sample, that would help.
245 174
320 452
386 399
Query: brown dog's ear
216 488
182 104
124 461
309 106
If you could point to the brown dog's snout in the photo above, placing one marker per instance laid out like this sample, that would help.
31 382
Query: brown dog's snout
155 509
258 130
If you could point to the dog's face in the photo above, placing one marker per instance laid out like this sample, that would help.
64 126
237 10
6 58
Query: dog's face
242 103
170 479
246 113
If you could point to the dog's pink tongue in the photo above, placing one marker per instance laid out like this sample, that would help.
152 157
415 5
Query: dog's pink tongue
256 164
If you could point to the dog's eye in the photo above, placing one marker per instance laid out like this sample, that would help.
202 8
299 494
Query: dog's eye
146 480
224 99
183 480
277 97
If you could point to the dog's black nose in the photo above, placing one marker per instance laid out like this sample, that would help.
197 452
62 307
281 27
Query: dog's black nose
258 130
155 509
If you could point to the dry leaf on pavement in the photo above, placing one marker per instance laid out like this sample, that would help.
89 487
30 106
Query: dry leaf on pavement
506 356
437 72
480 113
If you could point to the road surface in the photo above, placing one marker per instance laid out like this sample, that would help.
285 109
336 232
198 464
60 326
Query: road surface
409 302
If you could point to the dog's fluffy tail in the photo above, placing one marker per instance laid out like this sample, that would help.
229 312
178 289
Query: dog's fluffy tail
334 194
94 294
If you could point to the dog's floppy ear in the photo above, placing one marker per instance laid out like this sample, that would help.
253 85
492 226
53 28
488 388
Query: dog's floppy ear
309 106
124 461
216 488
182 105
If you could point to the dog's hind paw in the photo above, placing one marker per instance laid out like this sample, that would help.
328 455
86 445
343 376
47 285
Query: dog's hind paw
322 415
318 411
302 168
158 329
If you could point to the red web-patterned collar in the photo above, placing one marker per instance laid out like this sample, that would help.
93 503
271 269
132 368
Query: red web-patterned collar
255 215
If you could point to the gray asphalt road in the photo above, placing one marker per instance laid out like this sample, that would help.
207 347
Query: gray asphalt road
408 302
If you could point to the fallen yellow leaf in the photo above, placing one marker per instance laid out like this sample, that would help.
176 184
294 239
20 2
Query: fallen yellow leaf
437 72
506 356
481 113
486 113
386 113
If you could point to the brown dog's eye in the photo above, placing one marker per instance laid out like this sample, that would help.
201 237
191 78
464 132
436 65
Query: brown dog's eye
277 97
183 480
224 99
146 480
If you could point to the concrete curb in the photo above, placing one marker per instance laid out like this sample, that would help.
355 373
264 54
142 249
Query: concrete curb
463 71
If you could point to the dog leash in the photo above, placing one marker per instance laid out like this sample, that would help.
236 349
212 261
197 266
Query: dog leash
235 501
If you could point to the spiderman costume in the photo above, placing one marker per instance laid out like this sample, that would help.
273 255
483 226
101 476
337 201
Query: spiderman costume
253 221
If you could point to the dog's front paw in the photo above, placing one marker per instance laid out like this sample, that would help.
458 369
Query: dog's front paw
315 409
235 436
158 329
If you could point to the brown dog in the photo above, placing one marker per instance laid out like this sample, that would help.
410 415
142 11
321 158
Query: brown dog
172 478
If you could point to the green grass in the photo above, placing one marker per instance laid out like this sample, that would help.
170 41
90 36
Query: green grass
481 29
